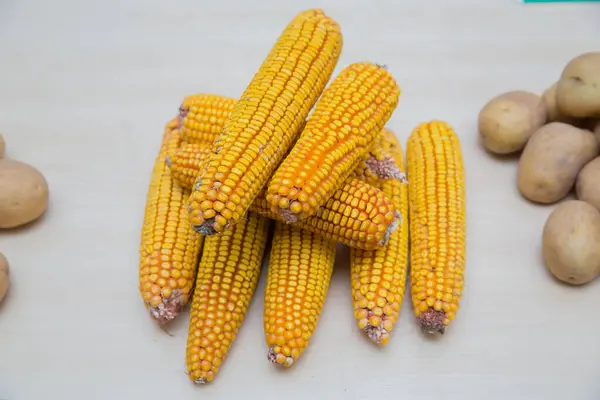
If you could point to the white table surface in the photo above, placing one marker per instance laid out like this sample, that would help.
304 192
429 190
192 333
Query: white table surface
85 89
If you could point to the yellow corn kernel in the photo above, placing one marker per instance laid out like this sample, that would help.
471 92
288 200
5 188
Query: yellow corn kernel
300 268
169 247
437 199
266 120
357 215
343 126
186 162
378 277
227 276
202 117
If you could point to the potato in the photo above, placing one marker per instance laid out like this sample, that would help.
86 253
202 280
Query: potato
552 159
2 146
587 186
508 120
571 242
554 114
23 193
578 89
4 278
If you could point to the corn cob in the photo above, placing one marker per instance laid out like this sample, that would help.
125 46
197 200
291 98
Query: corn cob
227 277
203 116
378 277
343 126
357 215
300 268
265 121
437 199
169 247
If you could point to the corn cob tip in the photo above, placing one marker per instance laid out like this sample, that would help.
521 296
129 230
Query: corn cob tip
182 114
207 228
432 321
287 215
377 334
386 169
278 358
168 309
200 381
391 228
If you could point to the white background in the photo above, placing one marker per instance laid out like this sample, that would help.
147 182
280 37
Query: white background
85 90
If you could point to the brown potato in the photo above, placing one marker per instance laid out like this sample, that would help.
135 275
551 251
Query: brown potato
508 120
587 186
552 159
23 193
578 89
571 242
4 278
2 146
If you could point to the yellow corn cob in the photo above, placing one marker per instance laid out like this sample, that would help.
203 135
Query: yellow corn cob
227 277
186 162
203 116
357 215
169 247
299 272
341 129
437 210
378 277
265 121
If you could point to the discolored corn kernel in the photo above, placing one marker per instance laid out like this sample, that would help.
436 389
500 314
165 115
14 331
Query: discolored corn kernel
300 268
437 206
268 117
343 126
169 246
227 276
202 117
380 275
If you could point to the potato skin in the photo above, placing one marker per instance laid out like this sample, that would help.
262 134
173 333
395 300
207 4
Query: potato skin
4 277
508 120
23 193
2 146
578 89
551 161
571 242
587 186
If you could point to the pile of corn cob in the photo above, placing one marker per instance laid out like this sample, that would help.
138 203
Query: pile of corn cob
230 169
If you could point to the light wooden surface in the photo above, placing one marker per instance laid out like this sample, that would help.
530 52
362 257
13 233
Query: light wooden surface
85 89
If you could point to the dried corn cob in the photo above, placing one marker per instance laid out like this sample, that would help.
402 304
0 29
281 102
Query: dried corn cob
357 215
340 131
203 116
227 277
300 268
378 277
265 121
437 223
169 247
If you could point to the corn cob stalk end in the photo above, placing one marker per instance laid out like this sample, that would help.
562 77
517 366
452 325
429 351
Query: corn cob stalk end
168 309
432 321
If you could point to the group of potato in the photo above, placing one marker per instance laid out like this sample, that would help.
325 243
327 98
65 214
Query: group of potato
23 199
556 136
